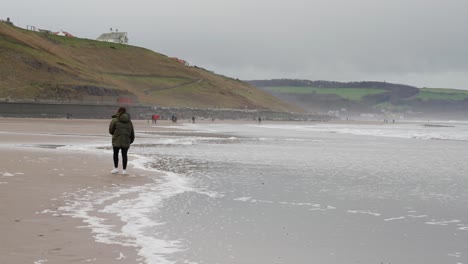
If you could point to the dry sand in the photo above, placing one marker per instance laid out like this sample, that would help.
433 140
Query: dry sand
33 177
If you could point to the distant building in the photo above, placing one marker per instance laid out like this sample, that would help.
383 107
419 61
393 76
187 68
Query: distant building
46 31
115 37
7 21
180 61
63 33
32 28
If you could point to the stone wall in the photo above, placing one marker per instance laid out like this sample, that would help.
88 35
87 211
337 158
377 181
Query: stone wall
235 114
104 111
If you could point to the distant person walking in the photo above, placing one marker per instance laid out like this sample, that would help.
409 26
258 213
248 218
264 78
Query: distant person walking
121 129
193 119
259 120
155 118
174 118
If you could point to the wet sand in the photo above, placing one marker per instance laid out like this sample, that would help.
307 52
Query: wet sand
34 175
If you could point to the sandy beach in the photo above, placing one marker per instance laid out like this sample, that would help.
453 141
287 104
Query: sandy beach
34 175
46 162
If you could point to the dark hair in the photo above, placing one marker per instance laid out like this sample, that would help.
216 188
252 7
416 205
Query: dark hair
122 110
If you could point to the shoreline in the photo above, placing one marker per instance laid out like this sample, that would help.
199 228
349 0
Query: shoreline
36 175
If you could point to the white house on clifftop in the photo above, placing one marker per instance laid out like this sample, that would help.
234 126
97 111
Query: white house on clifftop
115 37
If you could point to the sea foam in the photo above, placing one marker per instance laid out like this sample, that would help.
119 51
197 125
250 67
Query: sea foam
135 206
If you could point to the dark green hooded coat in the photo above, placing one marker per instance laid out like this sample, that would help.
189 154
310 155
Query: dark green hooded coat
121 129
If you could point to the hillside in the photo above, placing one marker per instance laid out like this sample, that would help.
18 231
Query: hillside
367 97
43 67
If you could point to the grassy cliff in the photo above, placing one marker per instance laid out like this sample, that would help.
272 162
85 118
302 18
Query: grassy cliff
39 66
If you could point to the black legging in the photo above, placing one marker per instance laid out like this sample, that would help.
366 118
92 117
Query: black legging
124 157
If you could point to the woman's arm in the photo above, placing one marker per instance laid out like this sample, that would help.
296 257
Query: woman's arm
112 126
132 133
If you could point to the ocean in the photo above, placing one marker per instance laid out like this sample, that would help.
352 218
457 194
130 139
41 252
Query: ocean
290 193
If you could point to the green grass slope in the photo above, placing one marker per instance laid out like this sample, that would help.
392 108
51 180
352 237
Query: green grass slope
366 96
353 94
38 66
357 94
427 94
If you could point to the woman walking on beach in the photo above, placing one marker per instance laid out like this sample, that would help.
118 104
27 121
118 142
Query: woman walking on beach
121 129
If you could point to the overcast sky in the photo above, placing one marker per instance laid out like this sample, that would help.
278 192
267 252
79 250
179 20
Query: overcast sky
416 42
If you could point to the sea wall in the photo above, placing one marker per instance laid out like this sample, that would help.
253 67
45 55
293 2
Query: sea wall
104 111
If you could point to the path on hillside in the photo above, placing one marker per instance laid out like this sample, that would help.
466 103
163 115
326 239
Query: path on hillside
173 87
